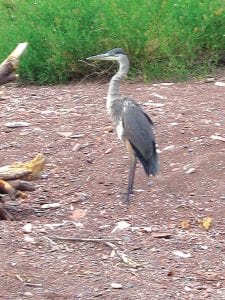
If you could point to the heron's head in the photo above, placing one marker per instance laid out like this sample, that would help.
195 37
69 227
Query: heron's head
115 54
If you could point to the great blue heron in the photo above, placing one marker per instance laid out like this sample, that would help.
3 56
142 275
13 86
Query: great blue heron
134 127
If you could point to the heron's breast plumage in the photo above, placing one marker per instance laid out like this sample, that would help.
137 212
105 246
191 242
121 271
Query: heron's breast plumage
120 130
116 110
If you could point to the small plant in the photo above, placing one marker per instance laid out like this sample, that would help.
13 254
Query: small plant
165 39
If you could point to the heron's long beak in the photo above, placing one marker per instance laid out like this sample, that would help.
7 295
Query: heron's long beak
104 56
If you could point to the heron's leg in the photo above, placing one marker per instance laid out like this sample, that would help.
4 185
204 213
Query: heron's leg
132 166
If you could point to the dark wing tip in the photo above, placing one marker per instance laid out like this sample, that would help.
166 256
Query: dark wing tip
151 163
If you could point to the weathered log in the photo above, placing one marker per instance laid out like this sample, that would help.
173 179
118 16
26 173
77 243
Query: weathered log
21 185
10 64
13 180
6 188
23 170
6 174
15 188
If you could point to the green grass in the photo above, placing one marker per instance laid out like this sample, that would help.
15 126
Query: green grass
165 39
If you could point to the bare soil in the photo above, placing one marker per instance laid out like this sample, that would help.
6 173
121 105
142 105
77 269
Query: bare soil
83 185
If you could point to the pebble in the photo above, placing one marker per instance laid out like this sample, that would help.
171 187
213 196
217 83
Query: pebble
210 79
190 171
192 194
109 129
182 254
29 239
187 289
108 151
15 124
65 134
115 285
82 196
51 205
203 247
27 228
168 148
28 294
121 226
76 147
219 83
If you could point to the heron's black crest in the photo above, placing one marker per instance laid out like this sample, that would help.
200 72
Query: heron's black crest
116 51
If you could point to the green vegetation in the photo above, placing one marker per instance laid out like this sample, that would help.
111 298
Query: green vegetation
166 39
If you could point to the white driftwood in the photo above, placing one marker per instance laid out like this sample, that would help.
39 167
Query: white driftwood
9 65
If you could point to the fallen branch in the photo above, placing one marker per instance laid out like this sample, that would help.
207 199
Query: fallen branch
10 64
15 188
21 185
6 188
23 170
6 174
94 240
12 180
106 241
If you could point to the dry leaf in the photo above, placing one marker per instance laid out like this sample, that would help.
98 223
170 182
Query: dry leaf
186 224
206 222
78 214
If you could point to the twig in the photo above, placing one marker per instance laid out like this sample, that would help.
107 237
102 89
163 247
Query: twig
97 240
107 241
99 73
19 277
33 284
27 282
50 240
10 64
124 257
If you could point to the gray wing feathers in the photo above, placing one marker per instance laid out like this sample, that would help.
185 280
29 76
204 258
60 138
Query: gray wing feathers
138 130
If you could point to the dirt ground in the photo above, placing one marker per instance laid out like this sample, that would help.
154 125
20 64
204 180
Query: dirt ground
164 251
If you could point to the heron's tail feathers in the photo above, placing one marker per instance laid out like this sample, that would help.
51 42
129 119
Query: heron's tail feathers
150 164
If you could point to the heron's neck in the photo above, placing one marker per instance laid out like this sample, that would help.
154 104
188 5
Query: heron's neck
114 92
